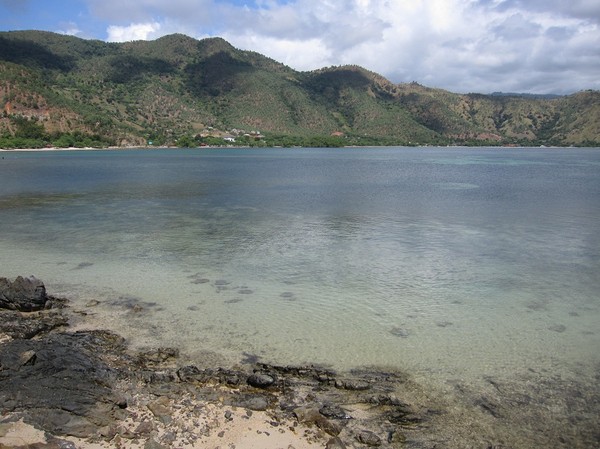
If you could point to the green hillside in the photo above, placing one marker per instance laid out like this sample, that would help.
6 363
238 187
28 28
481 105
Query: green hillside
62 90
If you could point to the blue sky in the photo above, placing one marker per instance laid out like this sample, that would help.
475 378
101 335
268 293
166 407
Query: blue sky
537 46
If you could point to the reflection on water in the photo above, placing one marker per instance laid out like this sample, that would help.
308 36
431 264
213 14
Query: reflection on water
446 262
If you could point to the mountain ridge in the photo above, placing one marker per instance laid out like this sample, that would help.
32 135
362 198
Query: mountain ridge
180 90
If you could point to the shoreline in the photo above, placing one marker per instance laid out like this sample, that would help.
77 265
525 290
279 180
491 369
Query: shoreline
147 147
88 389
114 396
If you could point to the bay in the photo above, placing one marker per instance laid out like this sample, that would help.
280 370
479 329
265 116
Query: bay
449 263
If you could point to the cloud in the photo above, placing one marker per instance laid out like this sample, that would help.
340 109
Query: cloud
70 29
133 32
459 45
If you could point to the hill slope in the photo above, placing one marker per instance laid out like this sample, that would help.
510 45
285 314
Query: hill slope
56 88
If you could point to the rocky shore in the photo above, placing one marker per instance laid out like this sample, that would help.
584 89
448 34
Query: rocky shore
62 388
71 389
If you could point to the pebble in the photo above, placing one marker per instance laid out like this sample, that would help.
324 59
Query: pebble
260 380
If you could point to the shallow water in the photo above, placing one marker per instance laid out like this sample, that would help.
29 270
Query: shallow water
449 263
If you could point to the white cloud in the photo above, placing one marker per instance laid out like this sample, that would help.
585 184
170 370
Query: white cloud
70 29
133 32
460 45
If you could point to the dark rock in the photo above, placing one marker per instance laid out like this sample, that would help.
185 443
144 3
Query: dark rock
23 294
18 325
61 384
260 380
369 438
334 412
192 373
328 426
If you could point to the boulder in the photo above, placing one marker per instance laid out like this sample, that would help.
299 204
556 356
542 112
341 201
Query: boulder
23 294
61 382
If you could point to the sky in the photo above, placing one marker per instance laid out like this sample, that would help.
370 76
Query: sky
484 46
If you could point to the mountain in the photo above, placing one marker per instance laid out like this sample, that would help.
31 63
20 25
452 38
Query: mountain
65 90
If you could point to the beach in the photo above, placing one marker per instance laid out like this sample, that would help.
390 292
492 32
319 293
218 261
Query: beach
78 386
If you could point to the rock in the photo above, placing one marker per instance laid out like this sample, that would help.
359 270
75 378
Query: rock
25 326
153 444
157 356
335 443
27 358
329 426
59 382
369 438
386 399
352 384
403 416
160 407
333 411
23 294
260 380
307 414
191 373
144 428
254 402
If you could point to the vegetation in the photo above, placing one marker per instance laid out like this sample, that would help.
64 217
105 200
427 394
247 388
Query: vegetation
63 91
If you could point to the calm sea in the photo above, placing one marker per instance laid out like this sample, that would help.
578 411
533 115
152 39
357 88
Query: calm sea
446 262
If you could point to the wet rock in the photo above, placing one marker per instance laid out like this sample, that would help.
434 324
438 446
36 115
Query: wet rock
368 438
260 380
23 294
18 325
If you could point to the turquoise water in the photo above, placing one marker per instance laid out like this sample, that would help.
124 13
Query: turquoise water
446 262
